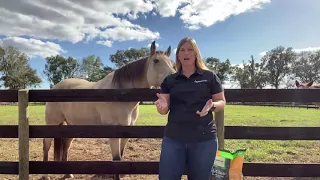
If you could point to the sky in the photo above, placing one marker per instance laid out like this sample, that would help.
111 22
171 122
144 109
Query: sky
225 29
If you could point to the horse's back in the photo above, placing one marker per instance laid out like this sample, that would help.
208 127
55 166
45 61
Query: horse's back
72 112
74 83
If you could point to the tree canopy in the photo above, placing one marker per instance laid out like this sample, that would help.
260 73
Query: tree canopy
280 66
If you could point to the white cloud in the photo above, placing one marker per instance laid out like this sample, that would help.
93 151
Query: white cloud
167 8
239 65
125 33
311 49
105 43
208 12
106 21
263 53
33 47
205 12
75 21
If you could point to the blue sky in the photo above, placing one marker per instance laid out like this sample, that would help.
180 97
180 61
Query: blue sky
278 22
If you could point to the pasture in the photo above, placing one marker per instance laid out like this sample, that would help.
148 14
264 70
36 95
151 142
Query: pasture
149 149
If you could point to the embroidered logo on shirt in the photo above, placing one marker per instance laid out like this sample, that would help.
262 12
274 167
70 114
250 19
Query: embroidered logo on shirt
200 81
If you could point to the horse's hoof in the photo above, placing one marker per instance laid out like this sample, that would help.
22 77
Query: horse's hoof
102 177
68 176
45 178
116 177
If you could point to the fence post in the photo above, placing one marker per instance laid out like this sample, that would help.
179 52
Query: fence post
23 100
219 119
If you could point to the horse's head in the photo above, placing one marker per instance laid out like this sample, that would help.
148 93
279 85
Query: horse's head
303 85
159 66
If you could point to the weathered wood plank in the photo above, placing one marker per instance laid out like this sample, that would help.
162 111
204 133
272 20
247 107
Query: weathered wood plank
151 167
8 95
23 134
120 95
231 132
145 94
272 133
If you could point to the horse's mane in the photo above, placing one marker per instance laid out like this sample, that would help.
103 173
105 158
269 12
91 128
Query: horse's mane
129 72
132 71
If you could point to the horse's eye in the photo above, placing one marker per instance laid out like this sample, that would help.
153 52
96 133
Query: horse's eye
156 60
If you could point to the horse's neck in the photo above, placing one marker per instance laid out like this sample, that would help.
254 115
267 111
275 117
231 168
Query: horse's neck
106 83
139 83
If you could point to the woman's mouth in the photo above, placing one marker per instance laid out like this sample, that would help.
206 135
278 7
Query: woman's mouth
186 59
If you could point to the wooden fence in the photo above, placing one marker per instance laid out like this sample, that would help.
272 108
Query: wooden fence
23 131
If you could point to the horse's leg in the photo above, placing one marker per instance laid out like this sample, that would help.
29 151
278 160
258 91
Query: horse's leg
53 116
133 119
123 145
125 140
46 147
115 150
66 145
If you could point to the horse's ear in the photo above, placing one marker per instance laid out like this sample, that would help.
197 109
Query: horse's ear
297 83
310 84
153 48
168 52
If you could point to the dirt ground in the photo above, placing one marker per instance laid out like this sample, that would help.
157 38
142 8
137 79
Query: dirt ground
94 149
86 150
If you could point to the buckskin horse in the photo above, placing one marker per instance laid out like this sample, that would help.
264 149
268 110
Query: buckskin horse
146 72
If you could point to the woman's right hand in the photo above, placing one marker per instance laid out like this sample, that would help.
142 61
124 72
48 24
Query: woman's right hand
161 103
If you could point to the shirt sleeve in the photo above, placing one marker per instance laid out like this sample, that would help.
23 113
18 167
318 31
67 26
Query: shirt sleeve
216 85
164 89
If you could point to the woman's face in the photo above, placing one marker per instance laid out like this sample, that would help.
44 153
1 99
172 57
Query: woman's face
186 55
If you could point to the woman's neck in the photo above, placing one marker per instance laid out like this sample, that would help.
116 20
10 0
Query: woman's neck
188 71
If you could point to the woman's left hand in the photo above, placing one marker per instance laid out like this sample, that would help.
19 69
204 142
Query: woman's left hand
206 108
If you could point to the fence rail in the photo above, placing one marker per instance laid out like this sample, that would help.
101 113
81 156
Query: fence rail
151 167
88 131
144 94
24 131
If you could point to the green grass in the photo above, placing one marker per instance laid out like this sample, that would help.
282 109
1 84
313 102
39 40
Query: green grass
257 150
248 116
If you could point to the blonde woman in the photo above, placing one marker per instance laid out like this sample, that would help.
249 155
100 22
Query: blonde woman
190 95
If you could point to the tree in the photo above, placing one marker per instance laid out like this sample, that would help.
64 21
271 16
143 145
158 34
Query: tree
58 68
241 75
2 53
107 70
122 57
223 69
92 69
278 61
306 67
257 74
16 72
251 74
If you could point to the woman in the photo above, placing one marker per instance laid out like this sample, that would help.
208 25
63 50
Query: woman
189 95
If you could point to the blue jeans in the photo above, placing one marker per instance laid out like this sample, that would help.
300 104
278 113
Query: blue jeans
176 156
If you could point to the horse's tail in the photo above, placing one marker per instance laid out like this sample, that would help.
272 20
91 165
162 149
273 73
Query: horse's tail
58 148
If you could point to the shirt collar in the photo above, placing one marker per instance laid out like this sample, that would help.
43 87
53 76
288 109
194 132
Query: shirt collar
198 71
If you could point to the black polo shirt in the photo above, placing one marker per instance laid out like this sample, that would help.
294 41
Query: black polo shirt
187 95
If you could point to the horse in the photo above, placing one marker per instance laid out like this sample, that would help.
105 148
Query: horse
146 72
309 85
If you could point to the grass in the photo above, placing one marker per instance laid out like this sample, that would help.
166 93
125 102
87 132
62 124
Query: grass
235 115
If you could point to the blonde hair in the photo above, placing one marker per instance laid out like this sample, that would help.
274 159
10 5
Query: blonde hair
199 62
